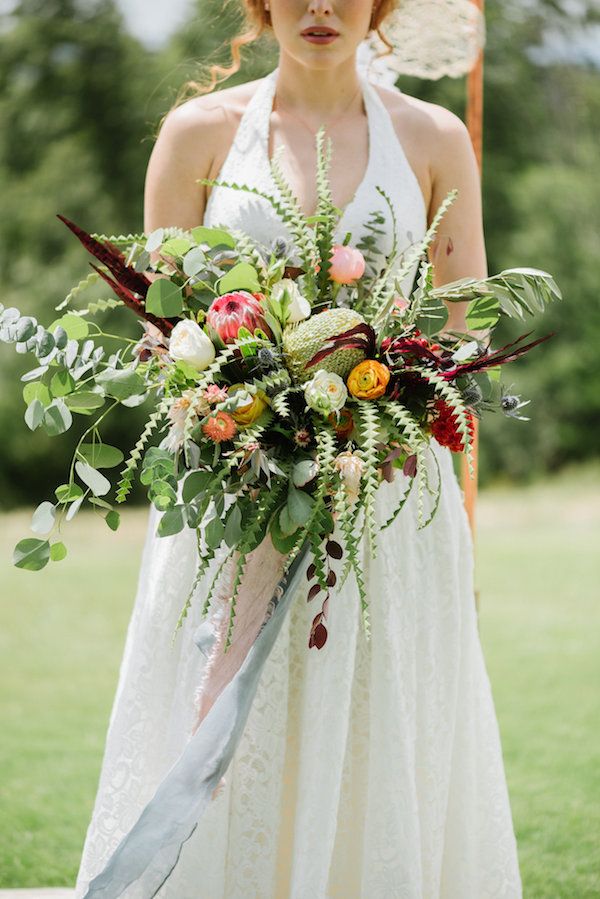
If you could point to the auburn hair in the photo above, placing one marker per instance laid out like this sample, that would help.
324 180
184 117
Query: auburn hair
257 23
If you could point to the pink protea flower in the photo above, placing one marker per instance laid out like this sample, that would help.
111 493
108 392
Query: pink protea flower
238 309
347 264
219 426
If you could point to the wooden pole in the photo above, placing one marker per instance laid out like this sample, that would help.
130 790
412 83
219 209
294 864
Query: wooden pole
474 120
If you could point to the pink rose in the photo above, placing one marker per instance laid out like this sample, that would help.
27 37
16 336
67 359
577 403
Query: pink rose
238 309
347 264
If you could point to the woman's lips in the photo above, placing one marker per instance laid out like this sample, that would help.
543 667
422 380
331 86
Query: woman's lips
320 38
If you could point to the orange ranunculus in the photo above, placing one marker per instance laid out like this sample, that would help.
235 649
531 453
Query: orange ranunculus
247 414
368 380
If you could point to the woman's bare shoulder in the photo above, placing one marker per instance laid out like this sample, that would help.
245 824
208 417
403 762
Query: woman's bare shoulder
210 116
420 119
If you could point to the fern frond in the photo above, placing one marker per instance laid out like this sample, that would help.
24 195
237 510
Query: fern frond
124 485
409 258
452 396
82 285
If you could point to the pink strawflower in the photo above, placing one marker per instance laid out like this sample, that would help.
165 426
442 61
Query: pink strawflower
238 309
214 394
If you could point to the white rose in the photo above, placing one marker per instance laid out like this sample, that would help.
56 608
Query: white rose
189 343
325 392
299 307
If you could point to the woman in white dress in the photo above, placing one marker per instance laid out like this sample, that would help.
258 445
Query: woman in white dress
367 769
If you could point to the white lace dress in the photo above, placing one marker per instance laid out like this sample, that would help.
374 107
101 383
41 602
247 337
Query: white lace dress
366 770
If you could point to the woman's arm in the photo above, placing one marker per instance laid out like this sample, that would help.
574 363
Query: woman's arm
459 248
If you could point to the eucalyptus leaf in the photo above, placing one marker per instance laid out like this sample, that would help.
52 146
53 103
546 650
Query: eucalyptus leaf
113 520
60 337
242 276
35 390
233 526
212 236
84 401
44 344
62 383
35 373
71 351
194 261
286 524
176 246
214 532
195 483
155 240
164 298
43 518
31 554
171 522
304 471
101 455
25 328
299 506
120 383
74 508
34 414
75 325
98 484
58 551
57 418
67 492
101 503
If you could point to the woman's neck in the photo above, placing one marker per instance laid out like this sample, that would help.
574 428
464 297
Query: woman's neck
317 93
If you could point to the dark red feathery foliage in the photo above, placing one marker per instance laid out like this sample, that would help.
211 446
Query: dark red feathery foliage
163 324
360 337
497 357
126 280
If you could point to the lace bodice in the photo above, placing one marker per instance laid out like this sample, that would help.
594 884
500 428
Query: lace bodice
248 163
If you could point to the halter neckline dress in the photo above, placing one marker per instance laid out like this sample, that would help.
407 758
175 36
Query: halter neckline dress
365 770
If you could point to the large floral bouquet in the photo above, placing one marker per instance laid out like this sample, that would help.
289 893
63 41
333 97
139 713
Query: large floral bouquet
289 382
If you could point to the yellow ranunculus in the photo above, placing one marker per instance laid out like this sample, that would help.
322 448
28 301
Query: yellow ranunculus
368 380
247 415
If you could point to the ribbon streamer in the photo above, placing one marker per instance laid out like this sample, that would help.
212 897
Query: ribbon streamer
149 852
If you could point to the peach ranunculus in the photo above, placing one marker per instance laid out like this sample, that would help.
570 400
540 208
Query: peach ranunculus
368 380
347 264
248 413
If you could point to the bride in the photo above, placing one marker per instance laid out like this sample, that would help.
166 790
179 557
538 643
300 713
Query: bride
368 769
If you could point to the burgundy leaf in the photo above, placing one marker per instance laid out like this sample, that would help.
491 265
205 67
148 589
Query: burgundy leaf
333 549
410 466
325 608
331 579
310 571
314 591
319 637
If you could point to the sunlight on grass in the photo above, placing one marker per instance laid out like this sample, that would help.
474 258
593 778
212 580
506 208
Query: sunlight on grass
537 571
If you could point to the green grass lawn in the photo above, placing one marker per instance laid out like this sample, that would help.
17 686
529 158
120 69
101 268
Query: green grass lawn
537 570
